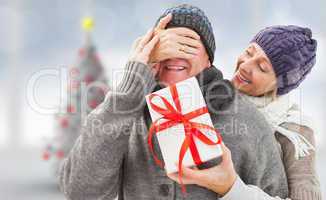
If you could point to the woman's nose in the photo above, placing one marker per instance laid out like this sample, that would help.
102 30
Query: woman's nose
246 67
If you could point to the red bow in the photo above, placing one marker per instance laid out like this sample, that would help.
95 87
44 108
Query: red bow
192 129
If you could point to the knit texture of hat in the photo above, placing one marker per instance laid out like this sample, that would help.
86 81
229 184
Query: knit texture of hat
192 17
292 52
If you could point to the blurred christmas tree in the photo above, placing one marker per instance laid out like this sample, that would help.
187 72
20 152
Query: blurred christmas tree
87 88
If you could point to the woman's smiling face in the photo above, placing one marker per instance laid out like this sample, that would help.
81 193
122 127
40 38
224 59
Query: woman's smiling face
254 72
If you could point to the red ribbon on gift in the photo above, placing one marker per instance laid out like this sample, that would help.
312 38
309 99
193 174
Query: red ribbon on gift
192 129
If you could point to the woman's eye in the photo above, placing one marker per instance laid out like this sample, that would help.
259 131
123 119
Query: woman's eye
247 53
262 68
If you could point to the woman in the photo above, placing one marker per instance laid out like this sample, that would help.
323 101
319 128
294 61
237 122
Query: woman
276 61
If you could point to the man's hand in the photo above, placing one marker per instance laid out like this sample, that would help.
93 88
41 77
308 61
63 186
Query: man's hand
219 179
174 42
162 24
143 47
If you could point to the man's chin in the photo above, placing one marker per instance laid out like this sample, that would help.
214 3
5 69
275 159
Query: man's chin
171 78
171 81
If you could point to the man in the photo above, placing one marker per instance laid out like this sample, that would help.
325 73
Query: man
111 156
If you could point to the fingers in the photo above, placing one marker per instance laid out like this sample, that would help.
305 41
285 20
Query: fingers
144 47
226 156
171 49
145 40
189 50
173 176
189 176
171 40
188 41
164 21
150 45
136 43
182 54
184 32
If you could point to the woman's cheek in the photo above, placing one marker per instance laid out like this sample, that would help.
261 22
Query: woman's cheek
254 86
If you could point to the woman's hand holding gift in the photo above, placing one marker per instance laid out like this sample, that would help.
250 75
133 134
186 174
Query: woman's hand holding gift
219 179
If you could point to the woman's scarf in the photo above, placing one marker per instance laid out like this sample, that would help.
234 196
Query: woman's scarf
282 110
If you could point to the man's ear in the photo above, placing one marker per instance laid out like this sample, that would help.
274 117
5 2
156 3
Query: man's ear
209 64
156 69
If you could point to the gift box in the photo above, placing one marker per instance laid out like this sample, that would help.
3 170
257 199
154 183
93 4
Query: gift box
182 125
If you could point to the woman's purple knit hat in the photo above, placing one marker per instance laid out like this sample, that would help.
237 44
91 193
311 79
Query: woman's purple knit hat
291 51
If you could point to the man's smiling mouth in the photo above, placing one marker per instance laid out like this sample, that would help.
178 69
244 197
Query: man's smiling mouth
175 67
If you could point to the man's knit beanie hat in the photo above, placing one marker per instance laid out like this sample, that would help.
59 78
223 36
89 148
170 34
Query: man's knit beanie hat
192 17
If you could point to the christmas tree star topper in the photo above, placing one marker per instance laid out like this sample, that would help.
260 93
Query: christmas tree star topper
88 24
